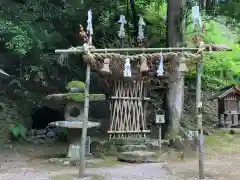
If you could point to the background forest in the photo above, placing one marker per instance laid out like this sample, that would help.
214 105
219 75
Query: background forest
30 31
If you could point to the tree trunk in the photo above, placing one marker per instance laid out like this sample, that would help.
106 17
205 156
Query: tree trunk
175 96
210 4
203 4
175 29
175 25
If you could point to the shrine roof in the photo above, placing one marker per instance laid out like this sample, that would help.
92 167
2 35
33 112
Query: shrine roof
223 92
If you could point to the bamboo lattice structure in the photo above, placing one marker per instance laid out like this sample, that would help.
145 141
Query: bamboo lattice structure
128 110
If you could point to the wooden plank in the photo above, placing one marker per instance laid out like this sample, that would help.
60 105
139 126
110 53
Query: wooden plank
230 99
231 112
134 50
129 50
132 132
130 98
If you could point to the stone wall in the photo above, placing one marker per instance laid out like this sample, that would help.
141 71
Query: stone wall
47 135
210 109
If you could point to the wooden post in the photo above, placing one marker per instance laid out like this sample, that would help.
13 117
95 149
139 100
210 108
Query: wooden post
160 119
199 119
85 124
160 135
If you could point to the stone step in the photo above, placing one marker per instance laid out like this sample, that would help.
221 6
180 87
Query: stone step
128 141
127 148
138 157
136 144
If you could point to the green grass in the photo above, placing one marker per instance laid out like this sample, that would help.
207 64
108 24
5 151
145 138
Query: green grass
222 143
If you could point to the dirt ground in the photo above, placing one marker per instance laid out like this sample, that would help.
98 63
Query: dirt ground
222 162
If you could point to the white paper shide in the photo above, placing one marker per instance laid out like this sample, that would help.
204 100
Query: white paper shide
160 69
127 68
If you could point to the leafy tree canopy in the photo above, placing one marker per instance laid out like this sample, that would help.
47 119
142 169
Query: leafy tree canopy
31 30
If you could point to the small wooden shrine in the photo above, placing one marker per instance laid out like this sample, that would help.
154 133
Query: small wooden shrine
228 105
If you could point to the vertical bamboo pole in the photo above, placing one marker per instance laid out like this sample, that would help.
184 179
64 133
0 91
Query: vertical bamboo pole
85 123
85 120
199 119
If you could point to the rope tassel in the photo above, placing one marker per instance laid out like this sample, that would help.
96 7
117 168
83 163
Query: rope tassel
160 70
105 67
127 68
144 67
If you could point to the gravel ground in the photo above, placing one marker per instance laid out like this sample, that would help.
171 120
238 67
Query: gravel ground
127 172
15 167
134 172
28 163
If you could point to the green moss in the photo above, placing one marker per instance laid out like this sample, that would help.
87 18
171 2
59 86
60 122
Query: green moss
78 84
79 97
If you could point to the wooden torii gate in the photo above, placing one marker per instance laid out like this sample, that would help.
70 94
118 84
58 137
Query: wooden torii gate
87 51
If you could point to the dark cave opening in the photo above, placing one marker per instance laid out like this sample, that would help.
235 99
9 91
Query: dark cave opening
41 117
164 111
165 126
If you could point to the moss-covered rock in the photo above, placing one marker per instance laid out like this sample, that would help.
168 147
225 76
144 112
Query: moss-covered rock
76 84
128 141
138 157
130 148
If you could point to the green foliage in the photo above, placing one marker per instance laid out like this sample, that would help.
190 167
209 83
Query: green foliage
155 14
220 68
230 9
9 117
17 39
31 30
19 131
